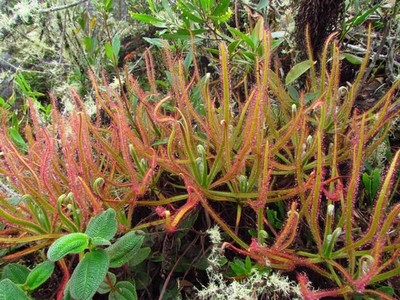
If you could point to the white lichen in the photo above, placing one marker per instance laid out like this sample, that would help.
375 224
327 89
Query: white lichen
23 10
215 235
90 105
257 284
378 158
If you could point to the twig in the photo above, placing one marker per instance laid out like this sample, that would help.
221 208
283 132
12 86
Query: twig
62 37
56 8
174 267
378 52
9 64
386 29
236 14
138 61
362 50
391 56
15 20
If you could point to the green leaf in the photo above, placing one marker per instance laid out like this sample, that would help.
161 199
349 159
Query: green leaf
39 274
294 94
105 287
387 290
249 55
193 17
375 182
124 249
109 52
10 291
353 59
16 273
124 290
149 20
151 6
272 216
70 243
276 43
223 17
232 46
183 34
297 71
356 6
140 256
309 97
245 38
17 139
116 45
177 36
358 20
98 241
188 60
90 43
108 5
142 279
238 267
262 4
221 8
103 225
89 274
82 21
205 5
330 241
154 41
167 8
2 102
367 183
41 216
47 109
248 264
189 11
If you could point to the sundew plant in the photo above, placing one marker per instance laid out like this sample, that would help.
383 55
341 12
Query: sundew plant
119 195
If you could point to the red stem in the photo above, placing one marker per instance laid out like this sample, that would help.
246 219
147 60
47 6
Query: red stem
64 268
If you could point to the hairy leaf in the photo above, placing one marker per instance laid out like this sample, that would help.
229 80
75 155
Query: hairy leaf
98 241
39 274
140 256
16 273
124 290
103 225
71 243
105 287
10 291
124 249
89 274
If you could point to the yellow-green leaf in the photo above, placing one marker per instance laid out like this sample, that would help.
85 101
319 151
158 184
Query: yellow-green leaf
297 71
